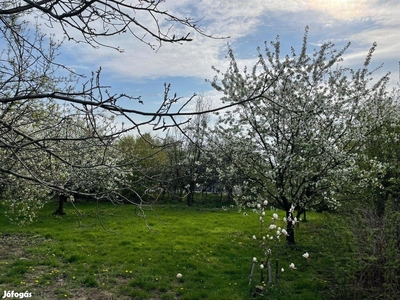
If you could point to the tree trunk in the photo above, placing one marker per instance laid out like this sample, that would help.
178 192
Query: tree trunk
190 195
229 191
299 213
290 237
60 209
189 199
290 229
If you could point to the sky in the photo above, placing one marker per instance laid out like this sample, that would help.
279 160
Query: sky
139 70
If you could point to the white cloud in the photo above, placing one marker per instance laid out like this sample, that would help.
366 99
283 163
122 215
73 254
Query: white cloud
337 20
221 19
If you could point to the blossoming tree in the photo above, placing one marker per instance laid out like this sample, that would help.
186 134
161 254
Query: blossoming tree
144 160
55 126
190 168
303 122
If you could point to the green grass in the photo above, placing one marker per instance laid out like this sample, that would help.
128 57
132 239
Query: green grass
64 257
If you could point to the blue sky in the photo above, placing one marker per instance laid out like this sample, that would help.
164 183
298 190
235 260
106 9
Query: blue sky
142 71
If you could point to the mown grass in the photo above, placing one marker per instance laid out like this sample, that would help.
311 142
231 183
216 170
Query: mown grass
68 257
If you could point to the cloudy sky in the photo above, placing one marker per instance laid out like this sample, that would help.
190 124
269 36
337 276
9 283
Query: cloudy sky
142 71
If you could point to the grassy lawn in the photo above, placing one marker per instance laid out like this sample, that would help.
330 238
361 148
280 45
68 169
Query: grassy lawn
64 257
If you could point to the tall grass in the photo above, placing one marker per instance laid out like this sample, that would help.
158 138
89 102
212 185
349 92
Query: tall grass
378 252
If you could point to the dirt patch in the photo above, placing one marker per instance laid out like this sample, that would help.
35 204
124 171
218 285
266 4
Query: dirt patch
13 246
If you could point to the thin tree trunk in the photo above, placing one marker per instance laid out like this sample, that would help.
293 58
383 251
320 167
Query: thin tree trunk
290 237
190 195
290 229
60 209
302 212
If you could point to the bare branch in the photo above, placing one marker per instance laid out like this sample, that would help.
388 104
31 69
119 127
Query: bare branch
145 20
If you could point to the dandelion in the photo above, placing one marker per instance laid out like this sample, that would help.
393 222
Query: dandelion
292 266
306 255
179 275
